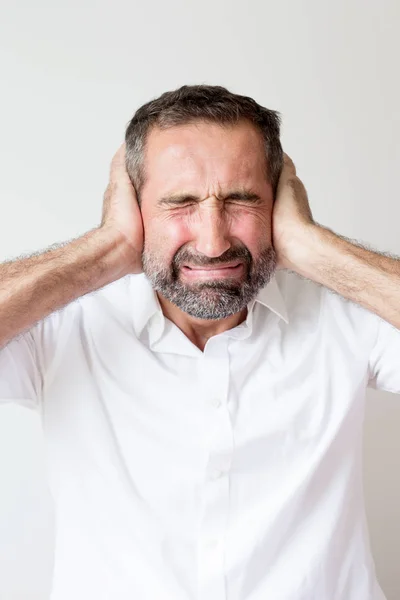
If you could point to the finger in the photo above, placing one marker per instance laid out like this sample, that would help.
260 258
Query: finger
288 164
118 169
288 173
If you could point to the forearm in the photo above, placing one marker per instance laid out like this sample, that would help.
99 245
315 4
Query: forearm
33 287
358 274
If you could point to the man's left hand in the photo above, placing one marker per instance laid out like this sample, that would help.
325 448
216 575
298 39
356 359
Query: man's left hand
317 253
292 219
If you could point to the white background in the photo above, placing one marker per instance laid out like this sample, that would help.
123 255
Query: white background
72 75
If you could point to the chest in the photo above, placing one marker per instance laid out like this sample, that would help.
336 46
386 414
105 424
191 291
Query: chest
278 394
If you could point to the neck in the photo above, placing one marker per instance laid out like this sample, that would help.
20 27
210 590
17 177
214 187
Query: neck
199 331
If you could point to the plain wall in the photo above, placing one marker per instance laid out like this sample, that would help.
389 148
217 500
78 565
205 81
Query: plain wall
73 73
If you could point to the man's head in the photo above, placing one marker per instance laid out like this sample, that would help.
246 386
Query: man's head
205 164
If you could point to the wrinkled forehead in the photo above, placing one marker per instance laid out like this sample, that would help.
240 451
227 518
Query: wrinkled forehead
204 154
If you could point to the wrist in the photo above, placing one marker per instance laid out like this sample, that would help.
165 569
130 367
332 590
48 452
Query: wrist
306 249
117 257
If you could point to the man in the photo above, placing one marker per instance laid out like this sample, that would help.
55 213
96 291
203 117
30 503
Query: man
203 409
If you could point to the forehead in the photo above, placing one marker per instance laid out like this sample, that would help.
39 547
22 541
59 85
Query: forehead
203 154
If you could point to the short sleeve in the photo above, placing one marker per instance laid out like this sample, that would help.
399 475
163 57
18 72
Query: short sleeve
27 361
20 375
384 360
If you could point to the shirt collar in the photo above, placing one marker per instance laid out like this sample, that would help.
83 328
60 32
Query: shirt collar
271 297
146 304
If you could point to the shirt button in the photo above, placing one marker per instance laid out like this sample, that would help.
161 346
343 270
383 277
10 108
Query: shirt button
216 402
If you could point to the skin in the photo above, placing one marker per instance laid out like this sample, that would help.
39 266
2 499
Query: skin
208 162
213 159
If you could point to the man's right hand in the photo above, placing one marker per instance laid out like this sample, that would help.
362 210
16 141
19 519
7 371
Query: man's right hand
35 286
121 214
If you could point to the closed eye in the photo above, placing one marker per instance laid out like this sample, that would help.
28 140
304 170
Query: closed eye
178 201
244 197
183 200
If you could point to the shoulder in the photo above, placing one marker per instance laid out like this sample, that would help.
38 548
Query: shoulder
305 299
92 312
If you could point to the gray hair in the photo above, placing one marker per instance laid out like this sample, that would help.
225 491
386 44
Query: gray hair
191 103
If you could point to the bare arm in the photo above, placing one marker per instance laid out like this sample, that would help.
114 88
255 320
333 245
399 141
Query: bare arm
33 287
368 278
359 274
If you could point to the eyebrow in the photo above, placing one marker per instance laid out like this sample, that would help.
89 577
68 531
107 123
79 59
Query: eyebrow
177 199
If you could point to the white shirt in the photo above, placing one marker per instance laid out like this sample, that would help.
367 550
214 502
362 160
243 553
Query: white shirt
233 474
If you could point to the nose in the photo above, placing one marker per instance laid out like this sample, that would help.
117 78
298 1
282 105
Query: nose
211 237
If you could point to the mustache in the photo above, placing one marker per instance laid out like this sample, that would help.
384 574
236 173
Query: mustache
183 257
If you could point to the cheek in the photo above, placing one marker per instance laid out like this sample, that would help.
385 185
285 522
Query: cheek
253 231
165 237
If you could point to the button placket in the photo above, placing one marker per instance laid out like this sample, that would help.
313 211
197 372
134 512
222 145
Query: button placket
215 402
215 492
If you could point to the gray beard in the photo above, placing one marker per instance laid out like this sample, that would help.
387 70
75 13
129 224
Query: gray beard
213 299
